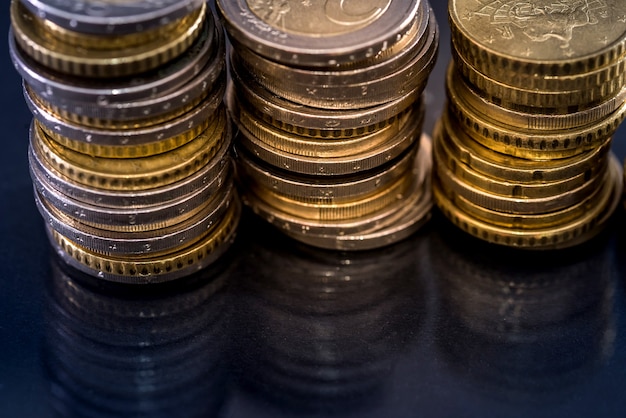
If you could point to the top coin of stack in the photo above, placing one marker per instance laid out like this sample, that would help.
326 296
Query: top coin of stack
535 93
326 96
129 146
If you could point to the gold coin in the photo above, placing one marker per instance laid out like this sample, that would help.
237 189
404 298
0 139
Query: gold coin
535 100
529 136
337 211
508 168
109 41
140 270
32 37
528 221
519 42
561 236
132 173
510 203
307 146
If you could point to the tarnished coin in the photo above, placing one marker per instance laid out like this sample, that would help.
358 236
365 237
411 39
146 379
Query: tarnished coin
105 17
319 34
517 42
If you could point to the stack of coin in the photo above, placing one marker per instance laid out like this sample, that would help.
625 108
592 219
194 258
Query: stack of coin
129 144
535 93
326 96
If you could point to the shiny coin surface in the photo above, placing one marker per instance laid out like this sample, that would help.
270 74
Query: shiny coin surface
104 17
318 34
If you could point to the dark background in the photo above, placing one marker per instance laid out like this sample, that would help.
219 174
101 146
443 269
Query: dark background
438 325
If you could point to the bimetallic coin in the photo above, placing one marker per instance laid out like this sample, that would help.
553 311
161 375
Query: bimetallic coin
60 89
338 166
541 39
160 269
560 236
126 142
336 89
140 244
326 189
41 47
105 17
120 200
319 34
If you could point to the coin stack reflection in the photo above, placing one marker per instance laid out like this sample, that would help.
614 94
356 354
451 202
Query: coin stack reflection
327 102
129 143
522 153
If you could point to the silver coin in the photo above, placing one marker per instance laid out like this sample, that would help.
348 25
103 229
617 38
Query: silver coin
256 97
128 200
62 91
116 137
348 88
316 33
135 218
347 165
106 242
111 17
150 276
327 189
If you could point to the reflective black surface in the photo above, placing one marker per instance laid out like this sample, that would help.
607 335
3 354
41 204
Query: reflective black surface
437 325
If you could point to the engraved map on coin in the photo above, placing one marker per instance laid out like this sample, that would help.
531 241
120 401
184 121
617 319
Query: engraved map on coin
543 29
319 18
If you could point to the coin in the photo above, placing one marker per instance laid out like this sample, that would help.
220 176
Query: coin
319 34
104 17
64 58
519 41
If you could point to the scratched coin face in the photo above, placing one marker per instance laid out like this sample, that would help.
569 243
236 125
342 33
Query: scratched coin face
111 16
318 33
319 18
542 30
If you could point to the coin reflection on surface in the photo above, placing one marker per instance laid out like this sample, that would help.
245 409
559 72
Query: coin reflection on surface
527 330
116 350
320 332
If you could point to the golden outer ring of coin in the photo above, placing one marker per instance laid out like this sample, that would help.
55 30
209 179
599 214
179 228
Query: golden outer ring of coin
323 148
529 221
132 174
349 165
89 41
496 133
325 190
110 123
67 59
508 69
562 236
129 151
132 218
383 220
338 211
495 185
124 199
535 100
507 168
165 268
290 116
515 205
147 243
341 89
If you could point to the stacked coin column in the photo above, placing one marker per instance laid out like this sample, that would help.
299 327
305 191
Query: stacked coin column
129 144
535 93
327 99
